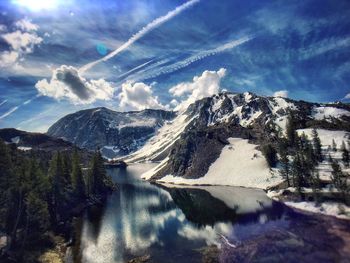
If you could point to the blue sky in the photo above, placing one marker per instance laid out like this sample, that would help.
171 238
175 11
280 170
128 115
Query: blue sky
301 48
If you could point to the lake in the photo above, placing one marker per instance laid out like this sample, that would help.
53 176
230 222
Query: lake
165 223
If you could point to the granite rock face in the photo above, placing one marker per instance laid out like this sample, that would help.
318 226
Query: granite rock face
115 133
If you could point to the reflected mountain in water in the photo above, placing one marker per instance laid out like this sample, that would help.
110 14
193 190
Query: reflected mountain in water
206 205
168 223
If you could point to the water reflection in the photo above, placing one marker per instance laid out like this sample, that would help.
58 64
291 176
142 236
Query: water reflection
167 222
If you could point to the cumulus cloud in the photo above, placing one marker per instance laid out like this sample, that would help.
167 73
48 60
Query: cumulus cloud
281 93
66 83
26 25
202 86
8 58
21 41
138 96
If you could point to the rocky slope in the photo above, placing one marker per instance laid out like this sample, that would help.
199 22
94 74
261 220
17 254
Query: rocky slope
195 139
116 133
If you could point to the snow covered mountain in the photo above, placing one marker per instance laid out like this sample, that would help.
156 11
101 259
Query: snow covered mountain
116 133
222 135
216 140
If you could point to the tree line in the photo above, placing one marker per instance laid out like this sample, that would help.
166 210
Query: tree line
35 200
298 156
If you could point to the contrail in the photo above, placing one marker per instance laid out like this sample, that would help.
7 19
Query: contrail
132 70
2 103
149 27
13 109
199 56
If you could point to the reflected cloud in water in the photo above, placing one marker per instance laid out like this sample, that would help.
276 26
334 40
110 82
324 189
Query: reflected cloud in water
141 218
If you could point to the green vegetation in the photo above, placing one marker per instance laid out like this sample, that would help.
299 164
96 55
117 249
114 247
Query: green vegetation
270 154
298 158
35 205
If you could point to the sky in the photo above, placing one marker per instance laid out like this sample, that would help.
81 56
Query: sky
61 56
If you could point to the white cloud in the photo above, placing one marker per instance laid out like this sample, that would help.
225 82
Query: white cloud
8 58
26 25
281 93
202 86
21 41
138 96
3 28
174 103
66 83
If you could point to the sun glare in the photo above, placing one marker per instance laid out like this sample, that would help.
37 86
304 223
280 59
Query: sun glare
37 5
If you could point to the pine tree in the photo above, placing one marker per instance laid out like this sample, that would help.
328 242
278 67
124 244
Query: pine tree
345 155
59 196
6 184
291 130
270 155
316 187
297 172
285 164
334 146
37 216
317 145
37 180
337 174
66 169
340 180
77 177
99 182
310 157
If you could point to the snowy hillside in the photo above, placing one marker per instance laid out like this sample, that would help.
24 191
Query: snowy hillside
239 164
158 146
216 140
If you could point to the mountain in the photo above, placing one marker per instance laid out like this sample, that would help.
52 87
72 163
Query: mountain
233 127
116 133
26 141
40 145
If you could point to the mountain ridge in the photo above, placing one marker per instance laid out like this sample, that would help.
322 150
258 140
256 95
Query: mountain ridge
187 143
116 133
215 119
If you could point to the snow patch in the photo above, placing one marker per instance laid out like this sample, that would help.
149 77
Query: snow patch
328 208
239 164
327 136
24 148
279 107
159 144
16 139
320 113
